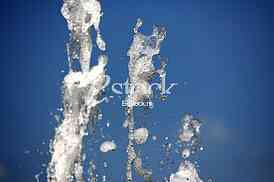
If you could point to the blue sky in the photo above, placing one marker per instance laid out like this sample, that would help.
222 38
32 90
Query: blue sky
220 53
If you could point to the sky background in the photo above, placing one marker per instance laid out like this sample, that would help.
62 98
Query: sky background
219 51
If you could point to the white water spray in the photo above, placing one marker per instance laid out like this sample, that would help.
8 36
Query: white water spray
141 70
81 91
83 85
190 138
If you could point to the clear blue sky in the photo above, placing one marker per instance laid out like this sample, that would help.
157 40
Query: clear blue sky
222 49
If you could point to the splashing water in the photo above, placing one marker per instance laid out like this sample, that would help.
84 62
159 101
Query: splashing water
81 15
190 138
186 173
141 135
141 69
82 87
190 133
107 146
81 91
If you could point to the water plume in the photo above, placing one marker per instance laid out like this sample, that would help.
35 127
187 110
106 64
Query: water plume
189 137
83 85
141 70
81 90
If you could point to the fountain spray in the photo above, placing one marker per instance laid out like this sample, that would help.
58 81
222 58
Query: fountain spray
189 137
81 90
141 70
